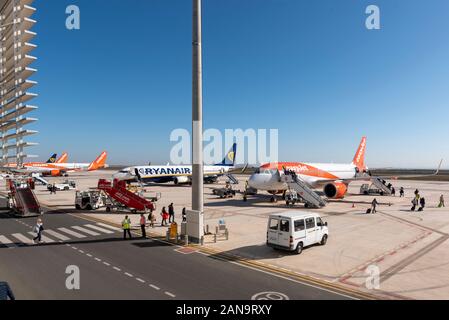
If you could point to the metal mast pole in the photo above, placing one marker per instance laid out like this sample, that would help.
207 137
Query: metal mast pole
197 111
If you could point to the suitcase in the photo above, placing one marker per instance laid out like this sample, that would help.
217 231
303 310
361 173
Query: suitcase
368 211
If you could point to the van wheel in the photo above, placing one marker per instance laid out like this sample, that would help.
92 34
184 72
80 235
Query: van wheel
299 248
77 207
287 203
324 240
89 207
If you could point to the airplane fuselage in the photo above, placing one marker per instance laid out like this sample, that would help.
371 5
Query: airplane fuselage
267 177
161 174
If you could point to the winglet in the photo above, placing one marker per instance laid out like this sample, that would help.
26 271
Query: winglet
439 168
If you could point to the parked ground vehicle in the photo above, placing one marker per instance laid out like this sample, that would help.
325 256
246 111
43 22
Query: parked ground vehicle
295 230
291 198
63 186
367 189
90 200
224 192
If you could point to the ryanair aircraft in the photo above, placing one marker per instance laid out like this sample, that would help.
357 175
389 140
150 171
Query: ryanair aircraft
179 174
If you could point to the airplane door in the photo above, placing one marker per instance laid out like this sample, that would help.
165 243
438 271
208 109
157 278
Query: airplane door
273 231
310 231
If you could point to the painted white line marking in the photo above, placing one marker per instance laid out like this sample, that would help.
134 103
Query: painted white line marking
129 274
44 238
108 226
154 287
106 264
57 235
72 233
74 248
99 229
22 238
169 294
115 268
5 241
80 251
99 260
89 232
140 280
89 255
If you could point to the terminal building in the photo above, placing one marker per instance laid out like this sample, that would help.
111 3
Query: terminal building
16 61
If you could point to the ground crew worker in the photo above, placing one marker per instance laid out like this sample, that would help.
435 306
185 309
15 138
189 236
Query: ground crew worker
126 225
184 215
441 205
143 225
374 206
401 192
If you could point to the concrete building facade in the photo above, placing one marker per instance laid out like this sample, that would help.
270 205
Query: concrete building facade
15 70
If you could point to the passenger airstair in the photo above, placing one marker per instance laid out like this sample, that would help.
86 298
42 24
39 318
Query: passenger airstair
38 177
381 185
118 192
309 196
232 178
23 200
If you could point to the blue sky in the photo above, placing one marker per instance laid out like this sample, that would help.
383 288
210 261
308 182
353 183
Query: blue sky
309 68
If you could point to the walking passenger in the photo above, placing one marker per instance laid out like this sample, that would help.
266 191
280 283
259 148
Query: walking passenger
393 192
126 225
441 204
374 204
401 192
171 213
38 230
151 218
143 223
414 204
422 202
164 215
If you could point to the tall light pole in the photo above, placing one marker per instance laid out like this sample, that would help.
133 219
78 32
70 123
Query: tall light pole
197 111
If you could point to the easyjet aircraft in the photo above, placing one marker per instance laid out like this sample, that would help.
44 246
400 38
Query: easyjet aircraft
333 178
61 167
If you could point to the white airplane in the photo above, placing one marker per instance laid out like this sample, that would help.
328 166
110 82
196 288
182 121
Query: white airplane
179 174
333 178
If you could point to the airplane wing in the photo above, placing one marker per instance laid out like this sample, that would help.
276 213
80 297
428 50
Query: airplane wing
437 171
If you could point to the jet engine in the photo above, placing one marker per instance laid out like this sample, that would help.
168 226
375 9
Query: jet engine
181 180
336 190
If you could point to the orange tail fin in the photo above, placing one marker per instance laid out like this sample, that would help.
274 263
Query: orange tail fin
359 158
99 163
63 158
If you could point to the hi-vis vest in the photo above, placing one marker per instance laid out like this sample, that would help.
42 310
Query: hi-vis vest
126 224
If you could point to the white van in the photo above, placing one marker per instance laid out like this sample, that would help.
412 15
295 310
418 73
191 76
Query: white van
295 230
